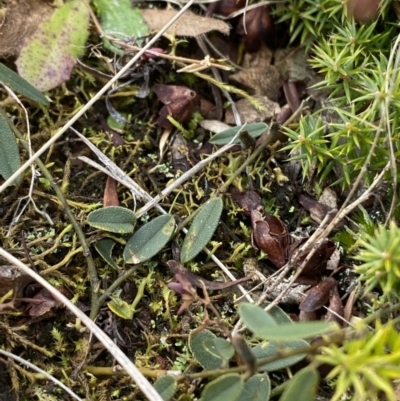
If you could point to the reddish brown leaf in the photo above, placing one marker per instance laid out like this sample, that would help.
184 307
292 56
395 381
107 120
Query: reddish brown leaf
348 309
247 200
317 296
317 264
225 7
291 95
317 210
336 311
278 230
270 246
307 316
110 197
42 303
363 10
196 280
179 103
255 25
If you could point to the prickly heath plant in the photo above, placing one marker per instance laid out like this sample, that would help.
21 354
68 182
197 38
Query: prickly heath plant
362 110
380 254
366 366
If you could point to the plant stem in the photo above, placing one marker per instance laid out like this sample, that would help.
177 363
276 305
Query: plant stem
94 279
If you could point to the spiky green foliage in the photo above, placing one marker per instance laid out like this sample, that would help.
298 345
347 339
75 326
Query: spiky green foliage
362 111
380 255
365 366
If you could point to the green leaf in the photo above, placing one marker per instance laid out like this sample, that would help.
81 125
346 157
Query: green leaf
10 161
202 229
47 58
208 360
149 240
257 388
219 347
165 386
293 331
20 85
270 348
264 326
255 318
278 314
226 388
302 387
104 248
113 218
120 20
254 130
121 308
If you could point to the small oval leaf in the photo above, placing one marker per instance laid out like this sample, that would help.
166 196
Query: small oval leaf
166 387
149 239
278 314
271 348
219 347
104 248
227 388
115 219
257 388
255 318
254 130
9 154
293 331
20 85
302 387
202 229
203 356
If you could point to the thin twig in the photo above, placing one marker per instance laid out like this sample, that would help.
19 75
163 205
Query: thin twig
95 98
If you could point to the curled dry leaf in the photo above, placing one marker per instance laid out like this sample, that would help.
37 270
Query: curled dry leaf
271 237
317 296
188 24
335 308
255 26
317 210
43 303
179 103
317 264
247 200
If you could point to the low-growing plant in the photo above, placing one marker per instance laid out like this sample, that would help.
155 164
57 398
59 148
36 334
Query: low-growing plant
380 254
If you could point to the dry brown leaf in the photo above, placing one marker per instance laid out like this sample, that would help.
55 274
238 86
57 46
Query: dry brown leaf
249 114
110 197
21 19
189 24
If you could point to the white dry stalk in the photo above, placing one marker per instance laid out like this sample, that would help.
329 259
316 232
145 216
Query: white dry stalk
324 232
115 172
95 98
114 350
41 371
390 82
125 362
